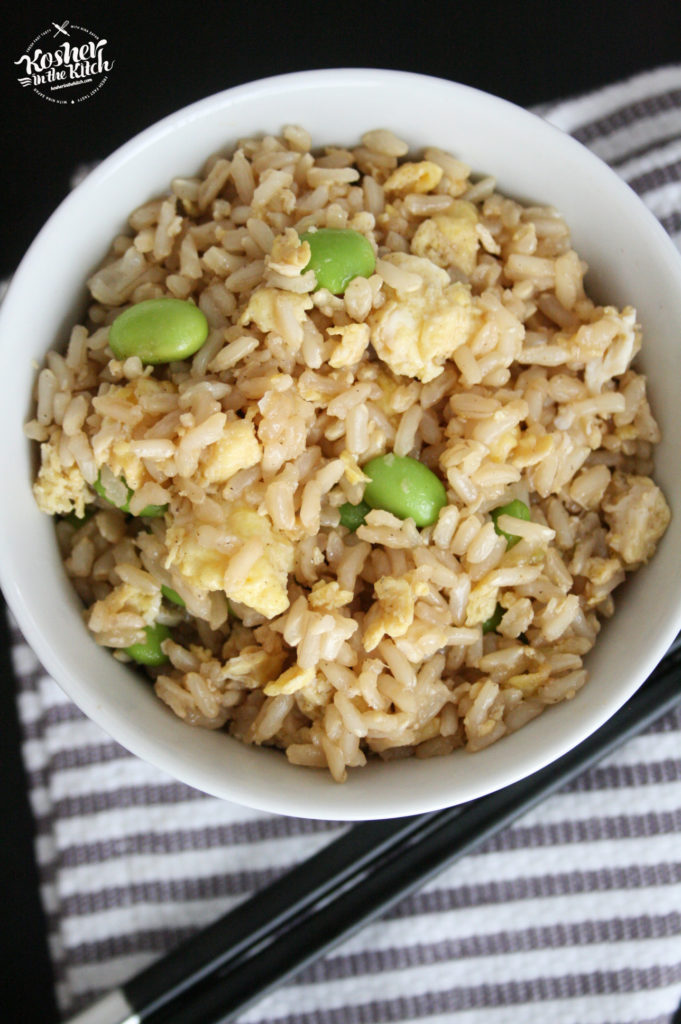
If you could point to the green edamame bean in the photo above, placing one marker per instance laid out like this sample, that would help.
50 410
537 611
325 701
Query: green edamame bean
149 511
352 516
172 595
519 510
405 487
158 331
492 623
149 652
337 255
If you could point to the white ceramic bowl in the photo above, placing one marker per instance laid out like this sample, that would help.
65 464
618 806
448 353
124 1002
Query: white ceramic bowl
632 261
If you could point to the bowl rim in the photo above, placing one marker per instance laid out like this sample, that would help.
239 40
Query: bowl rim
147 748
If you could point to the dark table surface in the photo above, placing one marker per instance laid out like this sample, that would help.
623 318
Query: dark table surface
168 55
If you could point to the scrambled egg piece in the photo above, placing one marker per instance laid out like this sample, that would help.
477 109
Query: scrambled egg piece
314 699
414 332
529 682
265 587
531 449
482 603
289 256
505 444
593 340
402 731
450 239
353 473
124 463
352 346
128 600
600 571
262 308
637 514
237 449
414 177
329 595
252 666
59 489
290 681
393 613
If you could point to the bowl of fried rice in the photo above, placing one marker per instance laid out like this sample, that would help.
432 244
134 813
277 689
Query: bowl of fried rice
341 437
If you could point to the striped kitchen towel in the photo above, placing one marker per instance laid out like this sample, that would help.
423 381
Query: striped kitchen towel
571 915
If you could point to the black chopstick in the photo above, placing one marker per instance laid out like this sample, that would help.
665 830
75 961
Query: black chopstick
218 973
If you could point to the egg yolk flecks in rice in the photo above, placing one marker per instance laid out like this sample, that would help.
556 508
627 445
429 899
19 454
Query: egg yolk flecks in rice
344 454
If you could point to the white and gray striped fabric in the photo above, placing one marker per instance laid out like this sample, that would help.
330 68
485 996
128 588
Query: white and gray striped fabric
572 915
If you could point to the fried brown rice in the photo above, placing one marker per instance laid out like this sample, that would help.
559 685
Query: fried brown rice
473 347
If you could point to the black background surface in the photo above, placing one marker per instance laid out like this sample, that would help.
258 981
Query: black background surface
170 54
